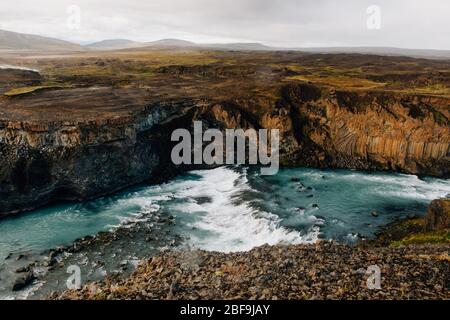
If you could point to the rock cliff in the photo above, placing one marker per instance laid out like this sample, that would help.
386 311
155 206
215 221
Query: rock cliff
341 129
372 130
69 161
52 161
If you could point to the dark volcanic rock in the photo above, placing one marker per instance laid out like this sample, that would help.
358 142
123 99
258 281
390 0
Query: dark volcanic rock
49 162
322 271
23 281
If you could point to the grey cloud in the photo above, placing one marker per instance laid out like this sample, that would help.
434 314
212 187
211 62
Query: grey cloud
405 23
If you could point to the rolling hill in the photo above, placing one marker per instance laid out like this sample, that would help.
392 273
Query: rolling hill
19 41
114 44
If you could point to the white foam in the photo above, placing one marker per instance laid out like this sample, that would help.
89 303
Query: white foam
403 186
140 201
416 189
230 224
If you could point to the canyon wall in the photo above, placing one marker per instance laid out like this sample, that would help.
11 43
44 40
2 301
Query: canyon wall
47 162
325 128
373 131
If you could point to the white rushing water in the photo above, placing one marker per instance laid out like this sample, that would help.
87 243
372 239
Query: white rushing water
224 221
227 209
235 209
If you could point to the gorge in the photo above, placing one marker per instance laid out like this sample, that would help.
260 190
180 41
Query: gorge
49 160
86 143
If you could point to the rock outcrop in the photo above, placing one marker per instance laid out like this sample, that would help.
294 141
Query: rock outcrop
438 216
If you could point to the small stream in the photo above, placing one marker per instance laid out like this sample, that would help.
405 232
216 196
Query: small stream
8 66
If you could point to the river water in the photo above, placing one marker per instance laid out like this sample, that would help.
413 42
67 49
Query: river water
235 209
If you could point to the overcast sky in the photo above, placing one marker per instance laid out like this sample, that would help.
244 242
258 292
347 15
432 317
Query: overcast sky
290 23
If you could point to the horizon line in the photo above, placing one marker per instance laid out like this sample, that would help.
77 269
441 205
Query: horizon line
87 43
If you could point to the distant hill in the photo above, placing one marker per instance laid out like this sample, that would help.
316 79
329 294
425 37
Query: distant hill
240 46
175 43
114 44
118 44
389 51
171 43
20 41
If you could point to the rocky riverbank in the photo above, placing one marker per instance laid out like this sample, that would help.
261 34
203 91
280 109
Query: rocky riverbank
321 271
412 257
32 275
433 228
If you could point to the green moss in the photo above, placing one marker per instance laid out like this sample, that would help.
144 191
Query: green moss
339 81
439 117
31 89
439 237
419 222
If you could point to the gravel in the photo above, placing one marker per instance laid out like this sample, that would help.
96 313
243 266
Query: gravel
326 270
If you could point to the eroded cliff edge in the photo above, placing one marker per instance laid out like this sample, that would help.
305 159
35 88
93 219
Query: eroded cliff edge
44 162
49 160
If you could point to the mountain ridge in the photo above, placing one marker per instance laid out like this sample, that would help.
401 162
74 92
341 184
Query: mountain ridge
10 40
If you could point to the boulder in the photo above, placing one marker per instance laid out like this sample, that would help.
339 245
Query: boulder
438 216
23 281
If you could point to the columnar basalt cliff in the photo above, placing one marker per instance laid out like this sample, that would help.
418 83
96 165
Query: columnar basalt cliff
375 131
339 129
